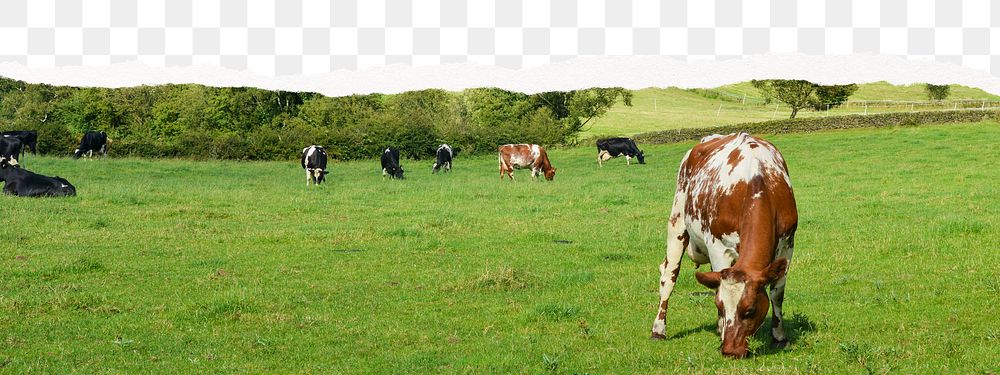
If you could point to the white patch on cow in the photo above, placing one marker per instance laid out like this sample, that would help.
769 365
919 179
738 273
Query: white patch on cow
711 137
730 293
757 196
64 185
312 150
517 160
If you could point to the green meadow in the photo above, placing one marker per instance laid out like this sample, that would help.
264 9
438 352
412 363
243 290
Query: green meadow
237 267
656 109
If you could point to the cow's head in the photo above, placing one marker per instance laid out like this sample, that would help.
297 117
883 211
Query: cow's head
550 174
8 163
641 157
399 172
77 154
742 301
319 175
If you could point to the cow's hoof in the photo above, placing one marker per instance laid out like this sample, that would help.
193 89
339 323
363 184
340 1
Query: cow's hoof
778 344
657 336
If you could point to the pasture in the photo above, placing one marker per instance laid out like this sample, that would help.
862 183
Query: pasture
182 266
656 109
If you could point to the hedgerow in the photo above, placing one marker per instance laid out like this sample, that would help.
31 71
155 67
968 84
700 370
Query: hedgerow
801 125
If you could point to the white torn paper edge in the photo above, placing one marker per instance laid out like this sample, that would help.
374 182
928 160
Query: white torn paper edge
633 72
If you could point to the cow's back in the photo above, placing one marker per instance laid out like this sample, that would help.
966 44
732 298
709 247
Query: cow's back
725 177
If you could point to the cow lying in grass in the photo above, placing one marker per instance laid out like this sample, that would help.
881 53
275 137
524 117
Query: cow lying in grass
24 183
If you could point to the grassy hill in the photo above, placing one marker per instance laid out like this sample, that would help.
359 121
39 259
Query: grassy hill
883 91
672 108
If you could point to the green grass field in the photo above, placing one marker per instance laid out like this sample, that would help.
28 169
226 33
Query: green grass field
672 108
181 266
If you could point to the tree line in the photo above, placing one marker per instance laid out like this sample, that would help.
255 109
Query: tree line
244 123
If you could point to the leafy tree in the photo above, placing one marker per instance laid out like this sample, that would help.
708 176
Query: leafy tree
799 94
937 92
796 93
833 95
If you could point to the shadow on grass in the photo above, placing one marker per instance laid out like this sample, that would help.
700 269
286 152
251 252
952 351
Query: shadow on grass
797 326
708 327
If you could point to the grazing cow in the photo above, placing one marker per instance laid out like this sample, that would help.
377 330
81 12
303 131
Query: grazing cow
314 162
444 156
735 210
24 183
28 137
614 147
93 141
521 156
10 147
390 164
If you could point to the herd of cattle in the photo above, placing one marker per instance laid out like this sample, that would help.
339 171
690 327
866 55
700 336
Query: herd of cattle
733 209
511 157
22 182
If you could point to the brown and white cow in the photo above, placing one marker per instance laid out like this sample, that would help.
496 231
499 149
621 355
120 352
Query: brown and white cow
521 156
735 210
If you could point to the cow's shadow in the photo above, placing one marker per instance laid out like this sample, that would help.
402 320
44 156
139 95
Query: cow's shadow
797 326
707 327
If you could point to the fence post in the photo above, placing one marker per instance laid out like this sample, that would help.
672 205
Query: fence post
719 112
775 110
984 104
954 106
744 101
866 108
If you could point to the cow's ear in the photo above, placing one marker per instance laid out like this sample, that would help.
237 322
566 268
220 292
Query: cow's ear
777 269
708 279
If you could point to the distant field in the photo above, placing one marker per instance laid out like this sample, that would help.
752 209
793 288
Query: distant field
672 108
885 91
179 266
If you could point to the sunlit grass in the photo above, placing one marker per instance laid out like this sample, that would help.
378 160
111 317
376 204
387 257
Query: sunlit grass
180 266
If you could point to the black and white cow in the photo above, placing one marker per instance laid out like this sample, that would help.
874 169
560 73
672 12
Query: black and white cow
28 137
444 156
93 141
615 147
390 163
24 183
314 162
10 147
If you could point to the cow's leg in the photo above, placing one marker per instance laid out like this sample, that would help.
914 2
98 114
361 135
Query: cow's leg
600 159
628 160
677 241
778 338
308 176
